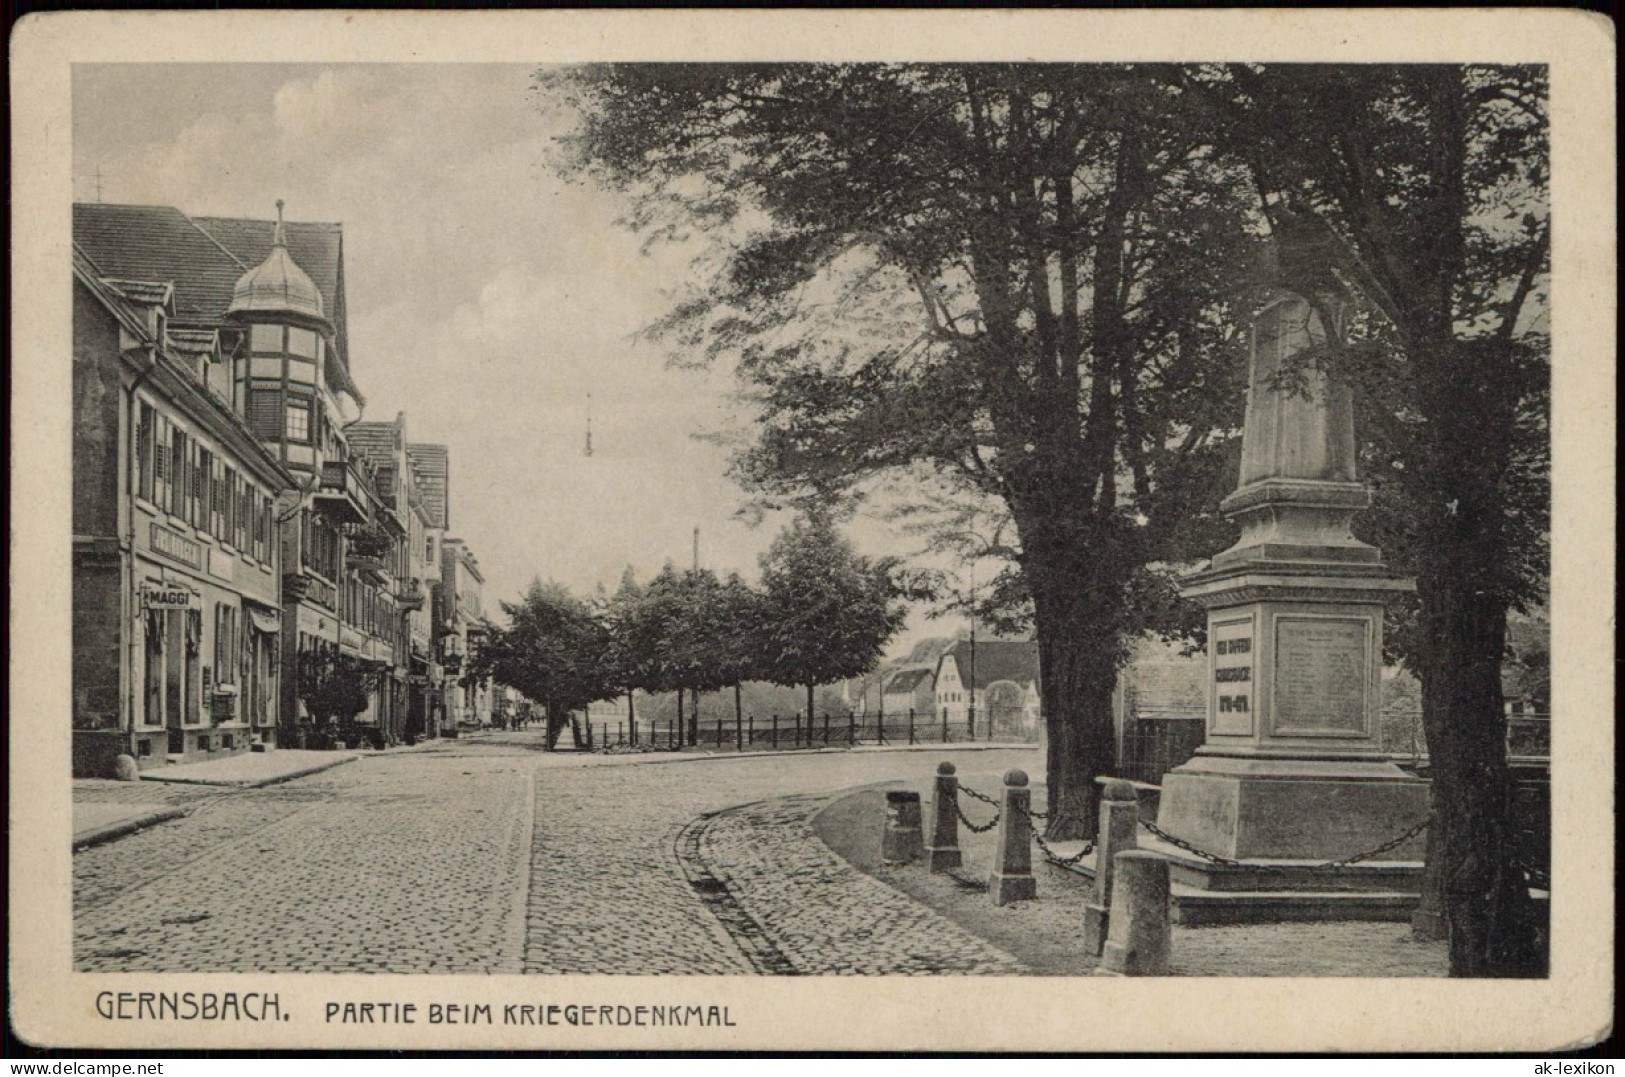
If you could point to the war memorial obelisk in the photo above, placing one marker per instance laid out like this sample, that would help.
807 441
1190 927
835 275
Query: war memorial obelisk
1291 774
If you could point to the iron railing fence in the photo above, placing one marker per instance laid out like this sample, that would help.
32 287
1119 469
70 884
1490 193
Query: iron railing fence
792 732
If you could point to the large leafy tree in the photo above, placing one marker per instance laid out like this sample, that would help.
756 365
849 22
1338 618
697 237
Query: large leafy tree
1423 190
828 612
1014 276
333 686
739 639
555 649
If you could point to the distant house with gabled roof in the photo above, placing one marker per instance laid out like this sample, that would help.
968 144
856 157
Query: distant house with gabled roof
997 680
910 689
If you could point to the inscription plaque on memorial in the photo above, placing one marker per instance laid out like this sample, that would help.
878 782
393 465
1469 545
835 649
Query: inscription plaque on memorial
1320 676
1232 712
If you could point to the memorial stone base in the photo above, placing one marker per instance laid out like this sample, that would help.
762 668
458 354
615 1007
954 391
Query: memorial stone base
1293 809
1292 775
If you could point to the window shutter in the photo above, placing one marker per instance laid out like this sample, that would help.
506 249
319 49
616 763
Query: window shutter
265 414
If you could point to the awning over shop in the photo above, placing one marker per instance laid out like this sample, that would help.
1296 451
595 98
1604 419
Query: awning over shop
264 618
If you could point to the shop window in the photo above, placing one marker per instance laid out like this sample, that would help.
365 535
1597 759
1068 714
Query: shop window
153 670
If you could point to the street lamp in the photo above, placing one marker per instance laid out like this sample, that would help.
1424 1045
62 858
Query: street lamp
970 727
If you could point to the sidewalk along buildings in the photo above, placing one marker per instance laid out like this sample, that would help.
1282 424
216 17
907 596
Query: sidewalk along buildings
176 567
230 543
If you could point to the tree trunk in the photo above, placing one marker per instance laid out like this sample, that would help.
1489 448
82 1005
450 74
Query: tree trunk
694 716
680 717
809 713
1076 689
1076 566
631 718
1493 923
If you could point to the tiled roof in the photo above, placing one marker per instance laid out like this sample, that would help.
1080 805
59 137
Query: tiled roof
193 341
159 243
431 466
158 292
907 680
378 442
205 256
996 660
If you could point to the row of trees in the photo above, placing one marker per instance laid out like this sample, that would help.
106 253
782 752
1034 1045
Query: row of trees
822 613
1029 283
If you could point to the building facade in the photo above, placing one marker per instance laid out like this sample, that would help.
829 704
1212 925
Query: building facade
463 626
300 529
176 567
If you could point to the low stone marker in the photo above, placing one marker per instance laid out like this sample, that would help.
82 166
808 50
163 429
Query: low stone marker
902 843
1119 824
1141 927
126 769
942 851
1012 879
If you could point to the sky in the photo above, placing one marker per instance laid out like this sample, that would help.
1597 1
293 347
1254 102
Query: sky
489 298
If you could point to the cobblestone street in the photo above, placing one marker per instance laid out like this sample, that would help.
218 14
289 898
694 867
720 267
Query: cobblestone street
491 856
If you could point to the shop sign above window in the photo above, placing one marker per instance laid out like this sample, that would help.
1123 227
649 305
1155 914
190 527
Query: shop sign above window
165 596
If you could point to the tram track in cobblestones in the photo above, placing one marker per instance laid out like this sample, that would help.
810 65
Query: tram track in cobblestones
740 927
504 859
795 907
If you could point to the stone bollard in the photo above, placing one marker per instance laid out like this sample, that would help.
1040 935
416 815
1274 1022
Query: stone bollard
125 769
1012 878
902 843
1140 922
1119 826
942 851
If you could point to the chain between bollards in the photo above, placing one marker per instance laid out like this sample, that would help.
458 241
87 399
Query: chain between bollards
1328 865
974 829
1050 854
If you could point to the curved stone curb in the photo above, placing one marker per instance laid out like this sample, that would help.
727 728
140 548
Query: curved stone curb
796 907
251 783
113 831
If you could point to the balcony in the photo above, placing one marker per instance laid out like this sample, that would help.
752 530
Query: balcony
307 587
409 595
375 568
342 493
